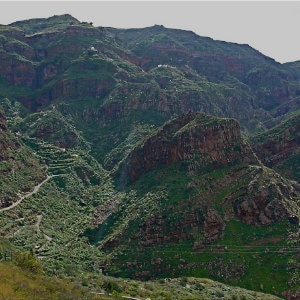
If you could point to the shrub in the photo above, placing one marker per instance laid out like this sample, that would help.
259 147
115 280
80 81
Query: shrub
111 286
5 249
27 261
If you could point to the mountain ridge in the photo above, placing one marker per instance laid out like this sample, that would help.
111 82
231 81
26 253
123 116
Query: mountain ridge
170 154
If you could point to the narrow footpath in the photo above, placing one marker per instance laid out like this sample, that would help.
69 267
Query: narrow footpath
39 219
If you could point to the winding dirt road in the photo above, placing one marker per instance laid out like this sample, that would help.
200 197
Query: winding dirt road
35 190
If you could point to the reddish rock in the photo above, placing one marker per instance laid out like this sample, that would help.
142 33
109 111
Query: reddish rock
16 71
202 140
213 226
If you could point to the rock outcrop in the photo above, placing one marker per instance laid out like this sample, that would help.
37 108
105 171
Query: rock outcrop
251 193
192 189
267 199
202 140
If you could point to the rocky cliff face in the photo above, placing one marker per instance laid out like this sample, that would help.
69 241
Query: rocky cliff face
190 184
202 140
266 199
199 178
16 57
214 59
38 54
251 193
17 71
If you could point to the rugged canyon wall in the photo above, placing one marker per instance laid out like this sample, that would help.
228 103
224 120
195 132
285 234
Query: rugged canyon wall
203 140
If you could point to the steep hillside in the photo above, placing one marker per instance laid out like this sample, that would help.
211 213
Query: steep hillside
109 79
51 213
52 127
20 170
216 60
279 148
19 282
202 140
161 45
203 204
125 152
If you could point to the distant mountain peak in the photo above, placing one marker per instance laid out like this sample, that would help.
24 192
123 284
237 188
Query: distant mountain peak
40 24
54 18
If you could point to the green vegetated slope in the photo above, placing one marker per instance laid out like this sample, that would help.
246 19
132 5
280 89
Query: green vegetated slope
20 170
229 221
50 221
188 196
54 23
279 147
17 283
109 79
23 278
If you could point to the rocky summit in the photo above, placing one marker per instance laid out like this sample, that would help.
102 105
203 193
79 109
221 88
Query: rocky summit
152 154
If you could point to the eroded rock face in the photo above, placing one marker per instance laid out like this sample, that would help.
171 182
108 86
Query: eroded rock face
203 140
16 71
267 199
261 210
213 226
257 195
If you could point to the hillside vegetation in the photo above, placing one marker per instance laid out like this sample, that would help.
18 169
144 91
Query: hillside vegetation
22 277
152 154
